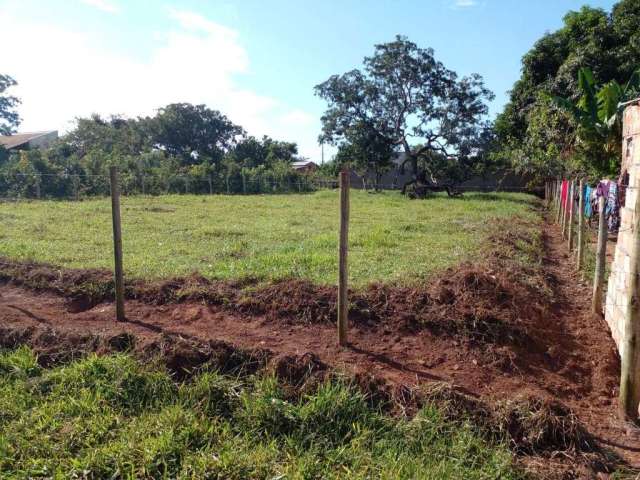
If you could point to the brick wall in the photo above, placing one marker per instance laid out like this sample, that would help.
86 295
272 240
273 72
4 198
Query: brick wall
618 297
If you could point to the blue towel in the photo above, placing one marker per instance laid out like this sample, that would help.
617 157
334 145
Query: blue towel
587 204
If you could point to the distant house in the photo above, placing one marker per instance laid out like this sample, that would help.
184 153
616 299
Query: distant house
304 166
28 140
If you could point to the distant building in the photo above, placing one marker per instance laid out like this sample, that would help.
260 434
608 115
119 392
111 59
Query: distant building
304 166
29 140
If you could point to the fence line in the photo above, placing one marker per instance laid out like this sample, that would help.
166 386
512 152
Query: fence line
16 185
629 396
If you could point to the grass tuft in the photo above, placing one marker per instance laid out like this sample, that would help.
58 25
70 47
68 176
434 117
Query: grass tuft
111 417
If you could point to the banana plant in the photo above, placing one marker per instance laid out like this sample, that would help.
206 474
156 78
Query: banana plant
598 115
598 110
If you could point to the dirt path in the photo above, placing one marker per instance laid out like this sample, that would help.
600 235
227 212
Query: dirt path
595 362
580 368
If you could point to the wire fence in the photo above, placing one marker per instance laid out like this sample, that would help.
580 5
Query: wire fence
68 186
78 186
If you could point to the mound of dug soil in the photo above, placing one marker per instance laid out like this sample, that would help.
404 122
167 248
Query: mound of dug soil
513 326
534 427
491 302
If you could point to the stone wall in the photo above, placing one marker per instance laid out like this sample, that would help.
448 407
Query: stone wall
618 297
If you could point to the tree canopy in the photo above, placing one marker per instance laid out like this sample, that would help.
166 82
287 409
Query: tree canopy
597 117
9 119
183 148
409 102
191 131
537 137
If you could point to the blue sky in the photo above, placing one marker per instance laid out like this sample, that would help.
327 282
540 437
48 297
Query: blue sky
257 61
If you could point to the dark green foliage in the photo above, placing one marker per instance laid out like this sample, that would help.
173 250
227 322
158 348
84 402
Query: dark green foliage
403 93
535 136
84 420
183 149
366 152
192 131
9 118
597 115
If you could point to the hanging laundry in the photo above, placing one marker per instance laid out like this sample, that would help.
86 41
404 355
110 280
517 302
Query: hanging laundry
602 190
613 208
588 207
563 193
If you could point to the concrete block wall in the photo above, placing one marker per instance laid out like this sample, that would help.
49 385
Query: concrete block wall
618 294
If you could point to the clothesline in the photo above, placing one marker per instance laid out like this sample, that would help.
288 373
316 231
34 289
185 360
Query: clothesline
613 193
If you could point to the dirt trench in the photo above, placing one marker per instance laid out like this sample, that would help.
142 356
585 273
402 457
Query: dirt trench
483 329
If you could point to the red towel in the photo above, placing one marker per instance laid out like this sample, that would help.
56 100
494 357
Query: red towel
564 193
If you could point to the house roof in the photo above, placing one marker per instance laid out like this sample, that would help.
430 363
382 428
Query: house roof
13 141
303 163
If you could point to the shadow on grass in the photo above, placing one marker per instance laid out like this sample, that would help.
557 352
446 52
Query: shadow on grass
496 197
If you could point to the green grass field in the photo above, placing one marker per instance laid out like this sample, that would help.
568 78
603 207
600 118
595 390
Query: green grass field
111 417
392 239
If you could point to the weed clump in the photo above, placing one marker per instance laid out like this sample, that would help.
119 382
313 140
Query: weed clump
110 416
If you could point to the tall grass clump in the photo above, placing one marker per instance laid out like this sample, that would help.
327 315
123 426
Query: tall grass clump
112 417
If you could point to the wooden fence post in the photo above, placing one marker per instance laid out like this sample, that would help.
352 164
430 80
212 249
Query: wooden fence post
629 348
601 252
581 226
546 193
117 243
38 187
343 275
210 185
571 205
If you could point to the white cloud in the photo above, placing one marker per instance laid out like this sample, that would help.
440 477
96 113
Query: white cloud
464 3
104 5
194 21
63 74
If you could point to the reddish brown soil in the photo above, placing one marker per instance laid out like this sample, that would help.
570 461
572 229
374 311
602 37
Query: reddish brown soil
484 330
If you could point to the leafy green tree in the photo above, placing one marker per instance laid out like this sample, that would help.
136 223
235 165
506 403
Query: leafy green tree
189 131
404 95
250 152
113 135
184 148
597 114
535 137
9 118
367 153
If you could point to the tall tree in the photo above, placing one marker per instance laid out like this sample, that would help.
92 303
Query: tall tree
534 135
251 152
367 153
404 96
192 131
597 114
113 135
9 118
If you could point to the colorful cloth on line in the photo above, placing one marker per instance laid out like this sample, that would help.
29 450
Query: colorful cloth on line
563 193
588 207
613 208
602 190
